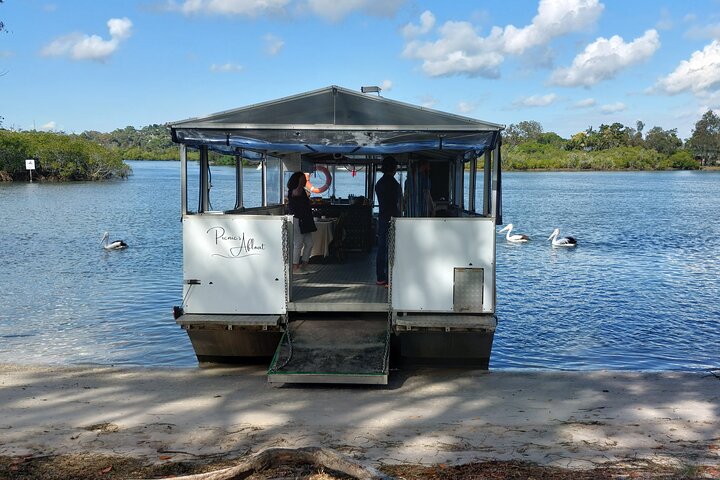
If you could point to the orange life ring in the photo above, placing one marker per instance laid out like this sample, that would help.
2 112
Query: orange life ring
328 180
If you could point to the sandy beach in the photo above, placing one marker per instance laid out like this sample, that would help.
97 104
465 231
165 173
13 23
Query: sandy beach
425 416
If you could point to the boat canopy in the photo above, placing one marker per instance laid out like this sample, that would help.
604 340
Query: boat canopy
337 121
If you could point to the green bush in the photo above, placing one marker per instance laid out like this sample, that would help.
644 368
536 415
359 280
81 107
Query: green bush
683 160
628 158
14 150
58 157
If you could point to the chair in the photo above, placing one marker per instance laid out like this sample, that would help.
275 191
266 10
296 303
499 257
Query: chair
336 246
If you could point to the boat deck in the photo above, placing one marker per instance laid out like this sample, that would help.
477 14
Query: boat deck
339 287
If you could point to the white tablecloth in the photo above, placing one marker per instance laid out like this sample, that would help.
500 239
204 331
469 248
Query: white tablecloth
322 237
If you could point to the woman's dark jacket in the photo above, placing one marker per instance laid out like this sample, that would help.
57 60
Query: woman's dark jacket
299 207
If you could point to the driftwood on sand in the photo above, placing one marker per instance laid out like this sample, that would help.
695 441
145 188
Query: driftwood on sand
279 457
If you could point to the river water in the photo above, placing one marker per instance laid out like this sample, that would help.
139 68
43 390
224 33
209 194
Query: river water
640 292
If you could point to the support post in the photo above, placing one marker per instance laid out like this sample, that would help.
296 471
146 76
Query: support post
264 180
281 181
238 181
204 180
487 175
497 184
460 179
473 178
334 176
183 180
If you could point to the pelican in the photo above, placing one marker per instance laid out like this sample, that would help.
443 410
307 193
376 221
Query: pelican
114 245
517 238
562 241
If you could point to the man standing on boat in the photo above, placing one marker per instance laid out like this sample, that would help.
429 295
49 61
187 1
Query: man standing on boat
389 195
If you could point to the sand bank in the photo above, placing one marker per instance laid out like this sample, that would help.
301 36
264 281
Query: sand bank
426 416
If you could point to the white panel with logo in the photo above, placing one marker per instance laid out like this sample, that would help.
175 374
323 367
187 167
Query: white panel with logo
234 264
444 265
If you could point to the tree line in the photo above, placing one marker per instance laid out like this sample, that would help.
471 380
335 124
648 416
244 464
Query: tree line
152 142
94 155
612 147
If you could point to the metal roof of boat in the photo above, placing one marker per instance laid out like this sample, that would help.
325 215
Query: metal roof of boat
335 120
335 107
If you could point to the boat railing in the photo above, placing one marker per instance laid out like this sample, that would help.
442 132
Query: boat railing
267 210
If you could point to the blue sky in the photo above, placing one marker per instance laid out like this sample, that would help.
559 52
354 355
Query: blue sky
80 65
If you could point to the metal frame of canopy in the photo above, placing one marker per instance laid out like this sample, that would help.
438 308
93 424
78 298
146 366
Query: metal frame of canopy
336 120
344 125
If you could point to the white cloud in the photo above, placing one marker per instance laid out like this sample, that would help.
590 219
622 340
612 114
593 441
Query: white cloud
428 101
698 75
538 58
427 22
458 51
536 100
604 58
585 103
120 28
225 67
711 101
6 54
666 20
49 126
249 8
704 32
613 107
386 85
465 107
555 18
78 46
461 50
273 44
335 10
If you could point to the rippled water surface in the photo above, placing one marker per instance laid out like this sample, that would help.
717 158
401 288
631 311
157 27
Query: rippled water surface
640 292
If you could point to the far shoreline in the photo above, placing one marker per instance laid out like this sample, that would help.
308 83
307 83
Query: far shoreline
7 179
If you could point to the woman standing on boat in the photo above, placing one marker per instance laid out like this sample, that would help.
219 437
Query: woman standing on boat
303 223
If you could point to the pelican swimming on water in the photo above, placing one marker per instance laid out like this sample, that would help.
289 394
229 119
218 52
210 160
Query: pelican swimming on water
114 245
561 241
517 238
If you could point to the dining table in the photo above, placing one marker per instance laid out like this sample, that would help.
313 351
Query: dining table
323 237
